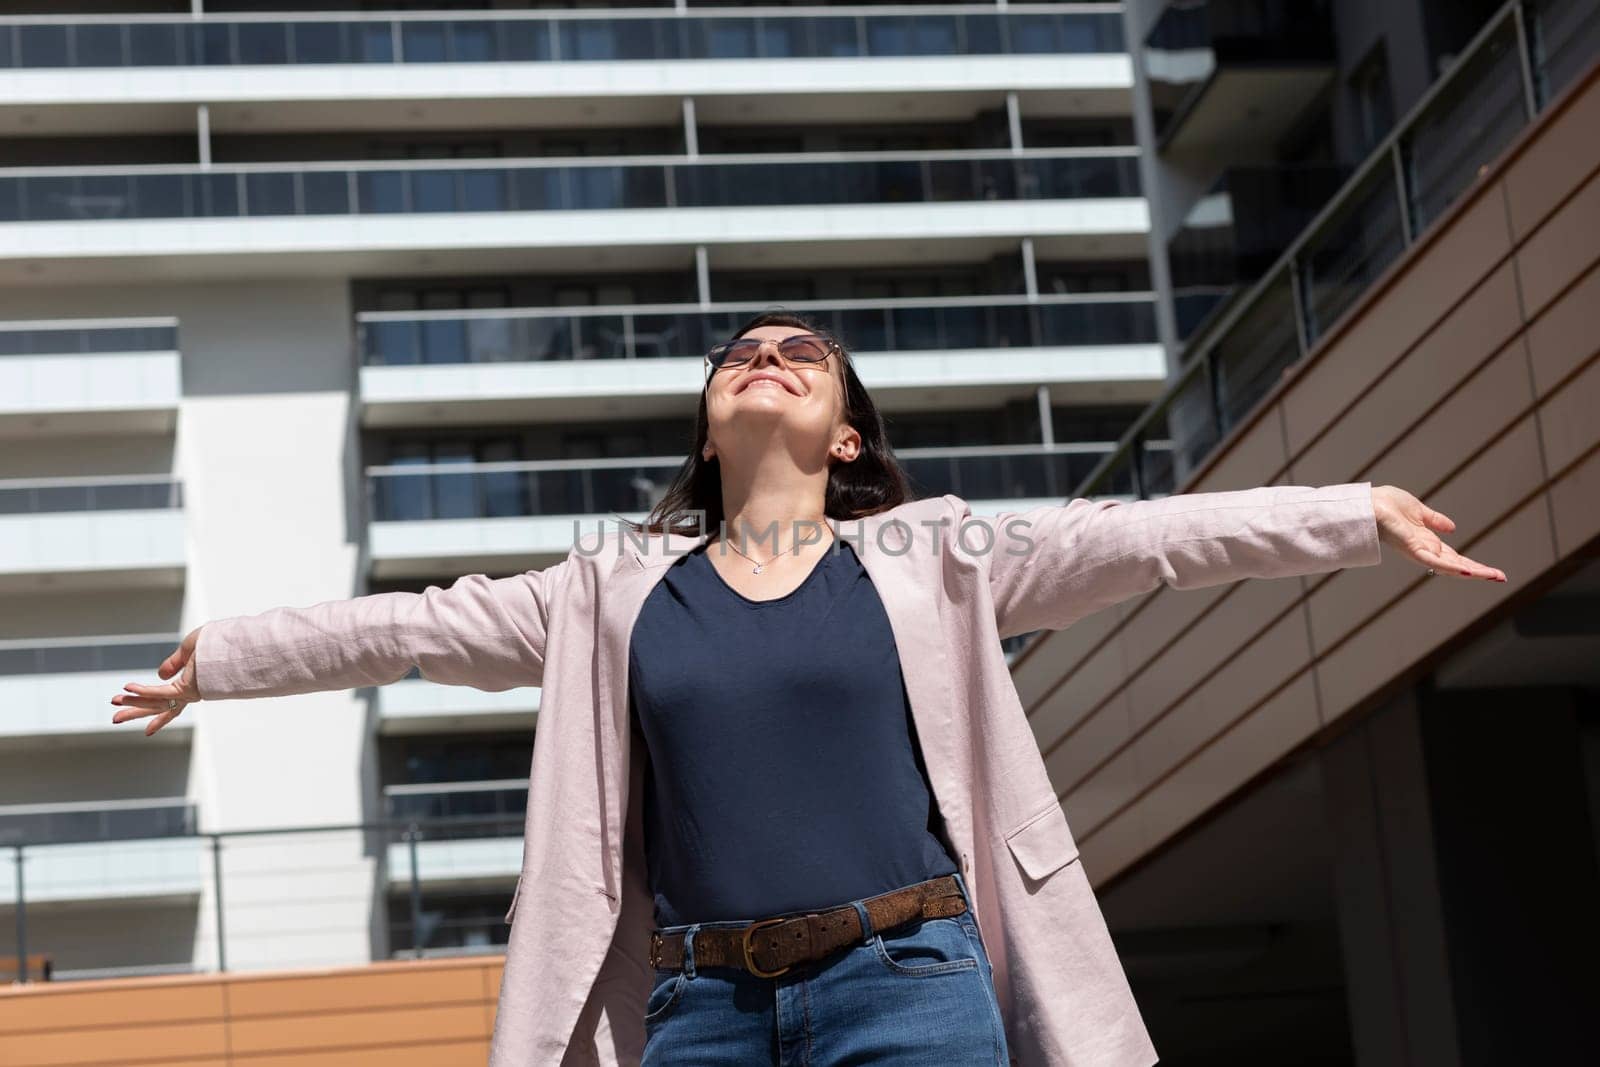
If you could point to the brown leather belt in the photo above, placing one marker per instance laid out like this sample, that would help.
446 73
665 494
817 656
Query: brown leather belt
769 947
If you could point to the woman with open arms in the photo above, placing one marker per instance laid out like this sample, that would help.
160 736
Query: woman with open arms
784 802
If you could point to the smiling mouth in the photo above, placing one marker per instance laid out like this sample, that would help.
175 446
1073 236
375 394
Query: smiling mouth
765 381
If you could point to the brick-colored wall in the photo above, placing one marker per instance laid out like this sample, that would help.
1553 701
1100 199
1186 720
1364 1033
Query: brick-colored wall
1467 375
422 1013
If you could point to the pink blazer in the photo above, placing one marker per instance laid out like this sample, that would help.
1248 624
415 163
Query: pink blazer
576 971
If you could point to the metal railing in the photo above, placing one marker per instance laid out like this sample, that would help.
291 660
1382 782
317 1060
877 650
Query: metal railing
1511 70
409 338
628 484
74 337
482 804
227 873
128 492
77 822
78 655
303 38
240 190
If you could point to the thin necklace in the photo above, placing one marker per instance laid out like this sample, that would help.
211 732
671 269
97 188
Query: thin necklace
758 563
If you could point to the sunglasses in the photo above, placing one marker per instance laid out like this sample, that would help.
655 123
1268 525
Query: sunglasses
801 348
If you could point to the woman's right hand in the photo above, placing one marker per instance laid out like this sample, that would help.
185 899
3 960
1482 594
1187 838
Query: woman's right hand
143 700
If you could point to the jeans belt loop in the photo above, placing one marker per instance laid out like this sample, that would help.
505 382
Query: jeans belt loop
866 921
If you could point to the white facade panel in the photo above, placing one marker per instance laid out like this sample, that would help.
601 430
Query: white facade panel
110 870
92 541
122 381
78 703
481 857
344 234
630 78
418 699
555 382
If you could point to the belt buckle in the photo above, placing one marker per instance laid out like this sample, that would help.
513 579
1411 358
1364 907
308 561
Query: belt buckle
655 950
749 961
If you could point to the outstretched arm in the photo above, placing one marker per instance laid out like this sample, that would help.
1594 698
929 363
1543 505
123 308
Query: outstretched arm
488 633
1050 566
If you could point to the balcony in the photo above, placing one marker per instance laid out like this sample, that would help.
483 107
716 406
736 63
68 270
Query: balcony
55 533
414 705
453 368
466 831
60 686
431 519
352 215
1209 62
88 375
306 39
304 57
102 850
1238 229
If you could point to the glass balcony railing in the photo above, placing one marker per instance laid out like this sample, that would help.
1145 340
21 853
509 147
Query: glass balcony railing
546 37
391 339
421 492
1238 229
76 655
79 337
95 820
38 496
479 804
1523 58
276 190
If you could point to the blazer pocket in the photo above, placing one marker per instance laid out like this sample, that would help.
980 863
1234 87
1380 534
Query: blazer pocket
515 893
1043 844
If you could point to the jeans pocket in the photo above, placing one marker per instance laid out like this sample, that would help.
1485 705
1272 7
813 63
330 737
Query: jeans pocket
664 995
928 947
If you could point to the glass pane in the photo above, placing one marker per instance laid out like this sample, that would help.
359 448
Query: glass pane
1465 127
269 193
99 45
423 42
156 45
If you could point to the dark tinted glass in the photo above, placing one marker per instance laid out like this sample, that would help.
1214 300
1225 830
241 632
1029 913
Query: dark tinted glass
803 346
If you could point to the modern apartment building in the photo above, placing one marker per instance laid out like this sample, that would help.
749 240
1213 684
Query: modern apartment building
299 305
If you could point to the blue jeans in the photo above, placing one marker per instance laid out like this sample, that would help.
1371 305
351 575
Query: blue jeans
922 993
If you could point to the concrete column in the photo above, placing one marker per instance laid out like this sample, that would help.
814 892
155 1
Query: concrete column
1014 121
702 274
1466 877
1397 974
1030 275
691 137
202 123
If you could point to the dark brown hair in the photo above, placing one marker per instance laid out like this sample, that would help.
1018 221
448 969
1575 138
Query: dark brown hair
872 482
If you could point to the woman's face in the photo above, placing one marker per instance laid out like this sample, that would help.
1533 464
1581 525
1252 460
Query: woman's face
801 402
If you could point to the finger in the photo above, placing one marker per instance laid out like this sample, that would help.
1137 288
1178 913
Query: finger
1470 568
1448 561
1437 520
163 692
171 664
160 721
149 703
125 714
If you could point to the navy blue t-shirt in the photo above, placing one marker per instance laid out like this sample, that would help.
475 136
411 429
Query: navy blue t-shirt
783 772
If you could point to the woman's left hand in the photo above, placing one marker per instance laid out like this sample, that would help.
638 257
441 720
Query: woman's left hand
1414 528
